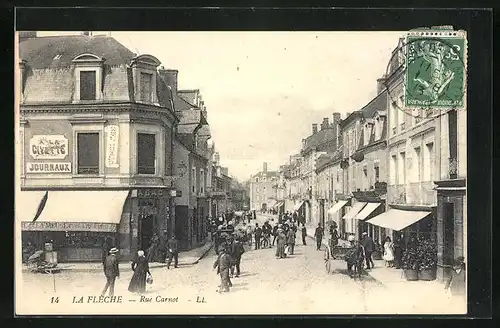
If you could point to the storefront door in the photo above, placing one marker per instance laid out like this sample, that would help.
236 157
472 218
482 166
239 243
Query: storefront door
146 231
449 234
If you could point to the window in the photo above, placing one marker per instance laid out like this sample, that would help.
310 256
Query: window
402 169
87 85
418 165
193 179
393 170
377 172
146 87
401 114
367 134
428 160
202 181
88 153
146 153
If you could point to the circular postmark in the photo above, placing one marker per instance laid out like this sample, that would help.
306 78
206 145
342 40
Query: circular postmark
432 68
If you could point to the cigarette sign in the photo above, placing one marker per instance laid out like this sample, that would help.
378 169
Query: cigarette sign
53 167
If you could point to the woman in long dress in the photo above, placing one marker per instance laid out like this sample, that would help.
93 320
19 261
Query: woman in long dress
141 271
280 244
388 252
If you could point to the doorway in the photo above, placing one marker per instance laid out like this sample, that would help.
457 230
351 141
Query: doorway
146 231
449 234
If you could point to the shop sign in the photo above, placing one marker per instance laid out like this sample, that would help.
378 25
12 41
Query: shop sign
150 193
52 167
67 226
112 134
48 147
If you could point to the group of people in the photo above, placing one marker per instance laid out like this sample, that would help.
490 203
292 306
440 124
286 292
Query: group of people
228 260
140 265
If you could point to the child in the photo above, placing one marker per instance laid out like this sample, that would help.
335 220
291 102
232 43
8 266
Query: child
456 282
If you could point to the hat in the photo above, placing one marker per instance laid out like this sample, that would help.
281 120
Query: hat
113 250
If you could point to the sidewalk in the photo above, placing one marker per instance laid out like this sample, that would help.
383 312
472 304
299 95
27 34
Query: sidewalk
185 258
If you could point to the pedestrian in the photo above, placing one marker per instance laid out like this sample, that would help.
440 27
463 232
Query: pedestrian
335 237
280 244
140 268
249 234
275 233
106 246
291 241
318 234
258 235
456 282
398 252
111 271
304 234
153 248
237 251
388 252
355 258
369 247
223 264
173 251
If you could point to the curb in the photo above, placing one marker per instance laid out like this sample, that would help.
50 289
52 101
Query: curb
128 268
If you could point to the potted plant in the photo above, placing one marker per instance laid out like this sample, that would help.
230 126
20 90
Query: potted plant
410 264
428 260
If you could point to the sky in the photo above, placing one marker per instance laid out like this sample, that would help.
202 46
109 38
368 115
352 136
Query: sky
264 90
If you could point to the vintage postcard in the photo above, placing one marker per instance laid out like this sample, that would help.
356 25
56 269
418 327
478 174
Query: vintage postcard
210 173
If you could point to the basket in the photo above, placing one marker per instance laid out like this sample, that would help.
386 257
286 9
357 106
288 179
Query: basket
149 279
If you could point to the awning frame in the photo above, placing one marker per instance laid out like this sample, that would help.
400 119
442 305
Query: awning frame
398 220
367 210
336 207
355 209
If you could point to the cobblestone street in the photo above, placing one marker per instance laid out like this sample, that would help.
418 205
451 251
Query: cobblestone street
297 284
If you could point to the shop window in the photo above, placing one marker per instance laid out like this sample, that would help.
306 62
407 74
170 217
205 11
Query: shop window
88 153
88 85
146 153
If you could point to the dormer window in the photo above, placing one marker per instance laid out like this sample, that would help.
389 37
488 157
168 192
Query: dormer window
88 77
144 71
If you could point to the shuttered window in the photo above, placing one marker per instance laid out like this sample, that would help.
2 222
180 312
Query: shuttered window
87 85
146 153
88 153
146 87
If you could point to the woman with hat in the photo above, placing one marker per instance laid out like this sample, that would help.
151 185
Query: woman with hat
456 282
280 243
141 272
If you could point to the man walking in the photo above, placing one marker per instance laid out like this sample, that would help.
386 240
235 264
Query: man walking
318 234
111 271
304 234
275 233
173 252
291 241
237 250
258 235
369 247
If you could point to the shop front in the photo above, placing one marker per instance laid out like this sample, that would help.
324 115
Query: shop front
350 222
78 222
451 211
375 205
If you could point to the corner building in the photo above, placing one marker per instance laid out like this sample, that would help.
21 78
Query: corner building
95 146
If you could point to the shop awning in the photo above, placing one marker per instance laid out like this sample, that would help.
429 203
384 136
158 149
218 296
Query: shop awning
398 219
367 210
80 211
298 205
336 207
355 209
26 204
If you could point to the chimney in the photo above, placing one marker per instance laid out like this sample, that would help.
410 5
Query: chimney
170 78
264 167
380 84
325 124
315 128
336 127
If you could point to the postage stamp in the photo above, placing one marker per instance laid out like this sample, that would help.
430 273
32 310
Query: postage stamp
436 68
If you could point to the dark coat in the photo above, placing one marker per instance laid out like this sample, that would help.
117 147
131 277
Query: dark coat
258 232
368 244
290 237
319 232
223 262
173 246
141 270
111 269
105 251
275 230
304 231
237 250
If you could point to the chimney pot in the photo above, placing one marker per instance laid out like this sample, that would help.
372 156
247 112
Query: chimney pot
325 123
314 128
264 167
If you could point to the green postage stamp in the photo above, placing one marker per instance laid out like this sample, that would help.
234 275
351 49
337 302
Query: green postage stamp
436 68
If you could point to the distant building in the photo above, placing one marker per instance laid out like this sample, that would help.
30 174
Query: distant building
262 189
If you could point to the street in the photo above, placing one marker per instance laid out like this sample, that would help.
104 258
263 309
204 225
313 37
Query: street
294 285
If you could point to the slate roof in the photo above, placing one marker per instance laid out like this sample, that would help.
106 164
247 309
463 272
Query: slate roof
319 138
186 128
378 104
40 52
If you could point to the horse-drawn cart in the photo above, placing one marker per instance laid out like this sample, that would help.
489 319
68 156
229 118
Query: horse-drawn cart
335 256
